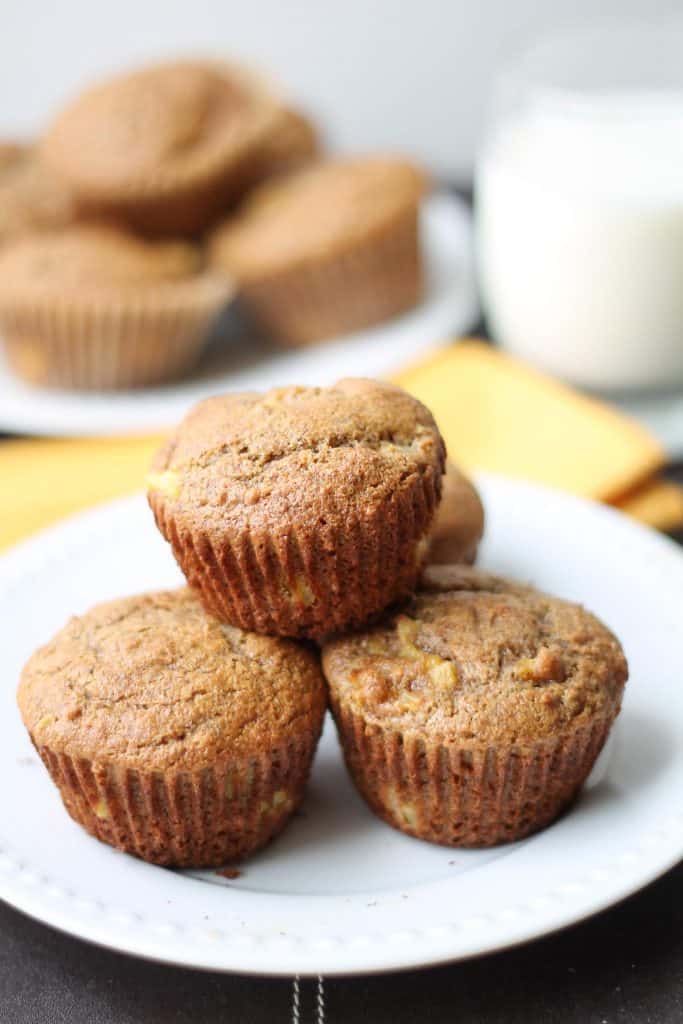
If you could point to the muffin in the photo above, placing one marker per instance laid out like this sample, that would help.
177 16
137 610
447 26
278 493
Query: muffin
291 142
169 735
473 716
301 511
164 148
31 197
327 250
11 153
459 522
95 307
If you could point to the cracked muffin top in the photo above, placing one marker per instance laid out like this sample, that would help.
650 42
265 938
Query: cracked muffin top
95 258
158 128
152 682
478 660
323 207
311 455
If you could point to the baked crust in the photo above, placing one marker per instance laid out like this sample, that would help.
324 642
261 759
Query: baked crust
165 148
323 210
32 198
302 511
474 715
328 249
171 735
291 143
459 523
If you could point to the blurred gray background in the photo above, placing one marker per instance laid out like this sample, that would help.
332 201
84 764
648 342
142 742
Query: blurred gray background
407 74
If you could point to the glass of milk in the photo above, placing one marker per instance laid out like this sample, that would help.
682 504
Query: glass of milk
579 207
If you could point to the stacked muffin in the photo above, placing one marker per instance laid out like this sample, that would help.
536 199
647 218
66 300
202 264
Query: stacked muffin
198 154
181 726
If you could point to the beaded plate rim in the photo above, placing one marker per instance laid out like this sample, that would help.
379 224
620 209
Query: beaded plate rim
363 932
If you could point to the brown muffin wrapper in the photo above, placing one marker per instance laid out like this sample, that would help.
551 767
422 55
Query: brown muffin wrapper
311 583
101 346
185 818
463 797
375 279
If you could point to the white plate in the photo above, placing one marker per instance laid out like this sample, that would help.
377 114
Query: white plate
450 308
340 892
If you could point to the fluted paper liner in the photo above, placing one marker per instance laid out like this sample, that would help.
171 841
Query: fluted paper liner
311 583
459 796
196 819
102 342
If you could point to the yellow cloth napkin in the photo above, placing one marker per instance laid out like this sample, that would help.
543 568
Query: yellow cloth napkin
44 480
495 413
500 415
659 504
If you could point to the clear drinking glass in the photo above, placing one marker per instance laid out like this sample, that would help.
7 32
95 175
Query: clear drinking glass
579 206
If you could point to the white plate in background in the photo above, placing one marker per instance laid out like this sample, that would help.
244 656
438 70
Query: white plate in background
340 892
449 308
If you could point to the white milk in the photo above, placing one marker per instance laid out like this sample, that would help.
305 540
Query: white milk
580 238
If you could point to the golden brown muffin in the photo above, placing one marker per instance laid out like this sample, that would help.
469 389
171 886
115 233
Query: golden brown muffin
459 522
291 143
475 714
11 153
31 197
301 511
329 249
164 148
95 307
169 735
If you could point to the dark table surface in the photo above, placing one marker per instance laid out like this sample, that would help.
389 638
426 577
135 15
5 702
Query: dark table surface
624 966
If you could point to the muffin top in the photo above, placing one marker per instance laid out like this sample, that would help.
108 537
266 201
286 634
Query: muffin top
11 155
158 128
303 456
31 197
292 141
329 205
478 660
152 682
459 521
94 259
